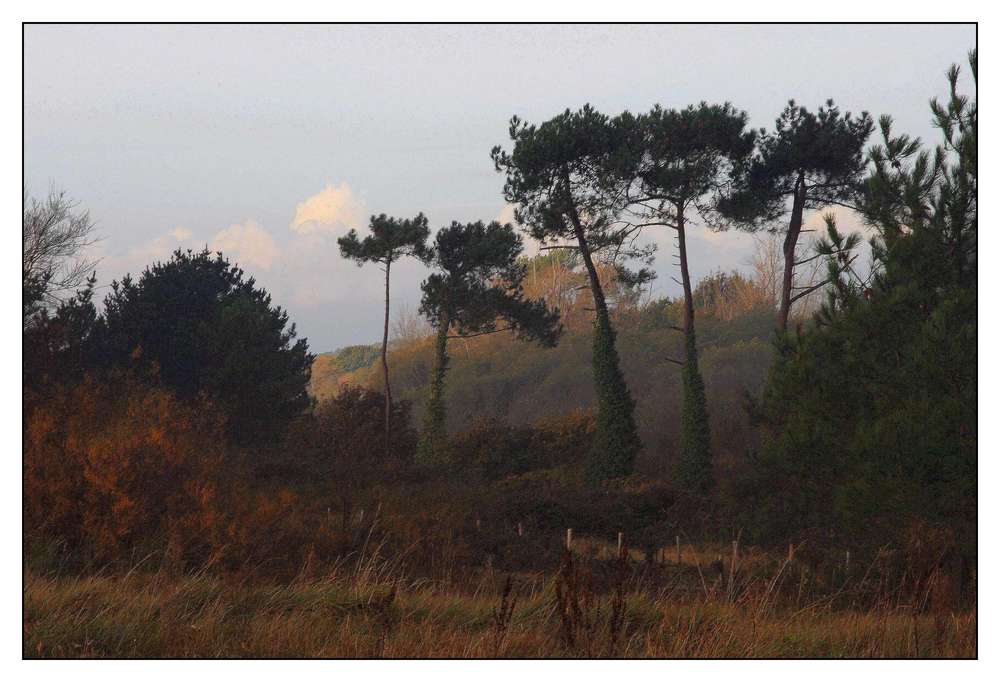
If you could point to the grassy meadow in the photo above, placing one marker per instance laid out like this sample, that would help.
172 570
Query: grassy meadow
590 607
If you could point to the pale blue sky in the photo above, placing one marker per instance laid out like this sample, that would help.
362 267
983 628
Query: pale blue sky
269 141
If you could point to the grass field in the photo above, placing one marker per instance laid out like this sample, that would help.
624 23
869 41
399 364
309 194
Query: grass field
371 610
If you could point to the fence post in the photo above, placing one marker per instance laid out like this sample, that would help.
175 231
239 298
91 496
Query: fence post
620 535
677 538
791 551
847 562
569 539
520 529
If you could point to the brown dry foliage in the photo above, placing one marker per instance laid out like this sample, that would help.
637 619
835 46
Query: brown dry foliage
116 466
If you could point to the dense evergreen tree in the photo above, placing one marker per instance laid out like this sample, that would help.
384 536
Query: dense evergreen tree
809 162
870 416
559 176
55 348
476 290
204 328
390 240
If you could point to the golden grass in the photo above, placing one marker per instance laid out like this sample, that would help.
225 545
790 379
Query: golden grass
370 612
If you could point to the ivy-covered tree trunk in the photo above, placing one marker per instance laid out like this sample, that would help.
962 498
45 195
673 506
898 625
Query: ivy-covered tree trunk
616 440
694 466
432 448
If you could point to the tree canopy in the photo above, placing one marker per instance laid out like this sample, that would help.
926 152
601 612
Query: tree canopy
203 327
812 160
477 286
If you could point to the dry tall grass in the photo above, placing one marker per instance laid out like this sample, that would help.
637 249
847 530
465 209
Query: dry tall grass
372 610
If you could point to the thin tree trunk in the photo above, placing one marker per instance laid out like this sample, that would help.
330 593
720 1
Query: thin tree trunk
685 273
791 241
600 304
385 361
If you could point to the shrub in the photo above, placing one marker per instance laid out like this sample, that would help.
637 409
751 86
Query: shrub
119 466
494 449
566 438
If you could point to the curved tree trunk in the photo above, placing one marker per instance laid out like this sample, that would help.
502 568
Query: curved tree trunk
788 249
616 441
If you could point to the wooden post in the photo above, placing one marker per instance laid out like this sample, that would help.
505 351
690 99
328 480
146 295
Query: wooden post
569 539
478 524
847 562
520 529
620 536
791 551
678 540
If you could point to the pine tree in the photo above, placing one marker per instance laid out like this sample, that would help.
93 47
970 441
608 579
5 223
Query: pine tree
675 166
390 240
809 162
561 177
476 290
870 415
205 328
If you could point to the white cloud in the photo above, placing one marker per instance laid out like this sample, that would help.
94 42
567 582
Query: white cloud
248 244
114 265
335 209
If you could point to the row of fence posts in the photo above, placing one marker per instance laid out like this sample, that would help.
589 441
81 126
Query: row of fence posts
677 544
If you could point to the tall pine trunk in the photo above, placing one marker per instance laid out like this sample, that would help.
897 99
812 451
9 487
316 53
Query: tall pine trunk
694 466
432 448
616 440
385 364
788 249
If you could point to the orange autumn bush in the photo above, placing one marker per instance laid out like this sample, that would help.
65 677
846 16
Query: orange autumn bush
112 468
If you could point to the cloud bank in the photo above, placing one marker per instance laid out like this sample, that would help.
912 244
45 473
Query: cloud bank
335 209
248 243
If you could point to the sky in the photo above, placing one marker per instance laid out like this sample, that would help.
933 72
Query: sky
269 142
